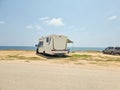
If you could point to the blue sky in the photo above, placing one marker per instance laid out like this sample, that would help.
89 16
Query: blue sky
89 23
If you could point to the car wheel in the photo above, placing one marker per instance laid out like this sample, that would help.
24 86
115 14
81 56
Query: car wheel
103 52
112 53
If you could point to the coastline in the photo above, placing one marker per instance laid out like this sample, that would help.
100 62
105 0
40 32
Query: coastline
34 48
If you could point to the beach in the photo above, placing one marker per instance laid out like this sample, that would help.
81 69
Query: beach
88 70
81 58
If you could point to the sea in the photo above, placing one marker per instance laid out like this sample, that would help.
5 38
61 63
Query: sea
34 48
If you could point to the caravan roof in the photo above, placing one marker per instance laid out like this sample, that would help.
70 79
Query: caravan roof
54 35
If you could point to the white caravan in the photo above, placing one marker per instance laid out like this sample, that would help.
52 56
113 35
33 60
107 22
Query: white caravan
53 45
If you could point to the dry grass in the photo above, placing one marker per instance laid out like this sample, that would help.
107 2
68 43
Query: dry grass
13 57
18 55
84 56
78 58
95 58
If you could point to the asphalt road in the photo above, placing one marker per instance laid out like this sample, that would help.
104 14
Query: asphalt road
36 76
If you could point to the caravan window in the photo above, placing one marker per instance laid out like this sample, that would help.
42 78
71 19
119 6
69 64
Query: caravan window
40 43
47 39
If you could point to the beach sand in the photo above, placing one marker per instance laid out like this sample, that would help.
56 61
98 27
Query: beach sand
26 70
86 58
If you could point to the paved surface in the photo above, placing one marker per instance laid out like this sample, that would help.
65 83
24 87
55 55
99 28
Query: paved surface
36 76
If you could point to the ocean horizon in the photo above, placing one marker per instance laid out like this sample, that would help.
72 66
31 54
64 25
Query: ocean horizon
34 48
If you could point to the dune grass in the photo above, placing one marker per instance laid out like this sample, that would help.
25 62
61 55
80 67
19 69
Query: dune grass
13 57
98 59
78 56
81 56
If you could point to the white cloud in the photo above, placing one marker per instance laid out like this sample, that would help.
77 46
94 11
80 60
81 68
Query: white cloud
56 22
52 21
38 27
72 27
75 28
29 27
2 22
112 17
44 22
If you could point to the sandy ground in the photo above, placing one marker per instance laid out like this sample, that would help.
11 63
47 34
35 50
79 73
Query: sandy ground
78 58
24 70
20 75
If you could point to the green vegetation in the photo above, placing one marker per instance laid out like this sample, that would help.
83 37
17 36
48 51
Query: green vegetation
12 57
113 60
97 59
82 58
78 56
34 58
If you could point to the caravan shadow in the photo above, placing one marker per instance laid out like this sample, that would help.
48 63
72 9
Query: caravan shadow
47 56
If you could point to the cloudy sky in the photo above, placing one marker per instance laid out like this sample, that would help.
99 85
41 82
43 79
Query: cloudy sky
89 23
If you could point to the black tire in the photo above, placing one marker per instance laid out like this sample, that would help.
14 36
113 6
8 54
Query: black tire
103 52
37 51
43 52
112 53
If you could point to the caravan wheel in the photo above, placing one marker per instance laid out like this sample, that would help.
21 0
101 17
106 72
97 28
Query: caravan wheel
37 51
43 52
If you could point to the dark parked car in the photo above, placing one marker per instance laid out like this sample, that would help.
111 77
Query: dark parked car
112 50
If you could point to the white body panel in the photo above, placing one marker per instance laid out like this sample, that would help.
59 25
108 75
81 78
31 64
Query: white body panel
53 45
